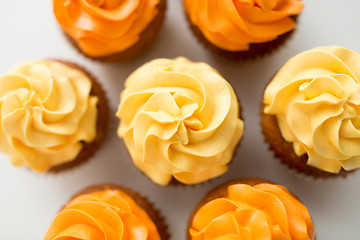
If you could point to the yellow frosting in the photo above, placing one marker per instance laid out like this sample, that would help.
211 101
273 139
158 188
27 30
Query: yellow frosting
45 113
104 27
103 215
233 25
180 119
316 99
265 211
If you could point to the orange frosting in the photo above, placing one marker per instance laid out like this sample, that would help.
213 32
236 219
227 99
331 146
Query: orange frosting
104 27
265 211
233 24
108 214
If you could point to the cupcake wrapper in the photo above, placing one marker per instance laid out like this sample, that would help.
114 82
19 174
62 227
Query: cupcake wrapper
256 50
142 201
90 148
145 40
284 150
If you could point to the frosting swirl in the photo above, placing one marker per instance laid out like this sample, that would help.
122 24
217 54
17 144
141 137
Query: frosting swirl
265 211
233 25
316 99
108 214
104 27
180 119
45 113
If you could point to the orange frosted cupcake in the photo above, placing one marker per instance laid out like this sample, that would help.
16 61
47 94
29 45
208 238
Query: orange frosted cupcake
311 112
107 212
53 115
250 209
180 120
242 29
110 30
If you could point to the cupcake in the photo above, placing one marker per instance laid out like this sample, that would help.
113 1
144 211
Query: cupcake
179 120
108 30
311 112
242 29
53 115
250 209
107 212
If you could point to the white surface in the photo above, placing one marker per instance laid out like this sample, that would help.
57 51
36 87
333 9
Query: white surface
29 201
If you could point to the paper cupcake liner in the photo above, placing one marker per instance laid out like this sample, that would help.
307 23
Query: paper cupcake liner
140 200
284 150
146 38
256 50
89 148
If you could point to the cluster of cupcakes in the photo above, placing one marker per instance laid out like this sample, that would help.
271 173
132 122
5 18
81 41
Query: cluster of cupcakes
181 120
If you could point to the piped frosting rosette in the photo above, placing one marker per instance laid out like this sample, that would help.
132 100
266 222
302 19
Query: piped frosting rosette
108 214
46 111
104 27
264 211
233 25
179 119
316 99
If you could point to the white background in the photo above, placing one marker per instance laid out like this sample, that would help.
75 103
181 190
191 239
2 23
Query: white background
29 201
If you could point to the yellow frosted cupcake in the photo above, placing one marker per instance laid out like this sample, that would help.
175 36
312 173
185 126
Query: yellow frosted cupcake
53 115
311 112
179 119
250 209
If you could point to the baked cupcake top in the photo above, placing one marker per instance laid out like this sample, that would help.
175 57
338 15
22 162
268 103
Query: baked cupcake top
107 214
316 99
263 211
179 119
104 27
233 25
46 111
